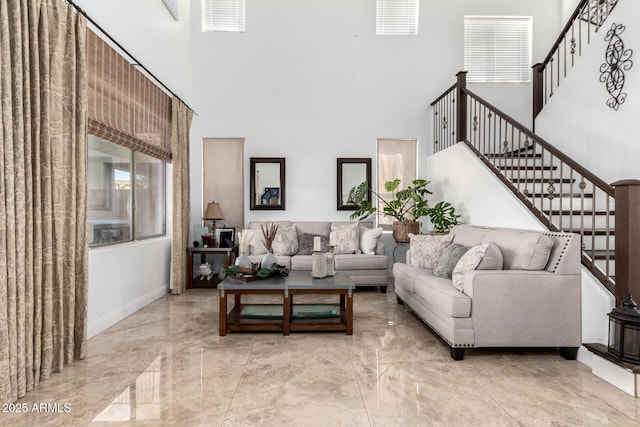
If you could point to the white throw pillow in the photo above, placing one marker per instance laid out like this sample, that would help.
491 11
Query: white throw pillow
347 238
369 239
425 248
468 262
286 241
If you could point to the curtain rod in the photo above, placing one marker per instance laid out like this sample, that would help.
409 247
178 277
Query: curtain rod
136 62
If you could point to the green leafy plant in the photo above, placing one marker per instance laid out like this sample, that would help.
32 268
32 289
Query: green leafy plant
443 217
407 204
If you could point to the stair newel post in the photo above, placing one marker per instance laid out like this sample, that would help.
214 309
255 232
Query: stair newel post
627 196
461 109
537 84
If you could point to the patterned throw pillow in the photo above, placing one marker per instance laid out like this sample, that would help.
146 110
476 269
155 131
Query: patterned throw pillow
425 248
449 257
347 238
286 241
468 262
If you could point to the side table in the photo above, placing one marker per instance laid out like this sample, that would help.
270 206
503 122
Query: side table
231 253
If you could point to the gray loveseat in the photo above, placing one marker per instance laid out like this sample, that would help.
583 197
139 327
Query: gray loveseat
539 306
364 269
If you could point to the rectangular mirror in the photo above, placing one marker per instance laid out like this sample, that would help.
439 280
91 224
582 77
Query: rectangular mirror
267 183
351 172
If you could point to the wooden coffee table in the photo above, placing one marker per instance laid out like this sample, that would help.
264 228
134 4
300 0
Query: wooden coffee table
286 316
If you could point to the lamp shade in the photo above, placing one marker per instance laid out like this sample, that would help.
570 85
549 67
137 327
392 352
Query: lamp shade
213 212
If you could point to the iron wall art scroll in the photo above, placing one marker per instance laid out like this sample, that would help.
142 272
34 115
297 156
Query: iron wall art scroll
617 61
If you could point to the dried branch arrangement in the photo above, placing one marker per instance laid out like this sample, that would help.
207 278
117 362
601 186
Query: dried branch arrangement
269 234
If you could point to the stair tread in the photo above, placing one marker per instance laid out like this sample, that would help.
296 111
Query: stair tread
515 156
593 232
545 181
557 195
578 212
526 168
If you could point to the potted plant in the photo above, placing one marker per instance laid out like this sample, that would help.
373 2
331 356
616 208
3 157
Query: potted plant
443 217
406 206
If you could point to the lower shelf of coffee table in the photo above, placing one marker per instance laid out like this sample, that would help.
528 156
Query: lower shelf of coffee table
270 321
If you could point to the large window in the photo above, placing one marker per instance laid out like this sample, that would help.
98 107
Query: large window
117 207
397 17
497 49
223 15
397 158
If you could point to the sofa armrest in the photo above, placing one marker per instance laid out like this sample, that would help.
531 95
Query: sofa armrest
380 248
525 308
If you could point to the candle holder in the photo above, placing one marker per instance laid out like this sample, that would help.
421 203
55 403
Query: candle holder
331 261
319 267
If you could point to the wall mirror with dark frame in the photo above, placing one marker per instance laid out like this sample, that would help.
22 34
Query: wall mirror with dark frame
267 183
351 172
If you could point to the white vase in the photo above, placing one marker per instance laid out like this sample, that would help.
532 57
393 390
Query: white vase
243 261
268 260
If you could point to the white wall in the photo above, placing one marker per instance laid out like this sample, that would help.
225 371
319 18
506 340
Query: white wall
124 278
310 81
458 176
577 119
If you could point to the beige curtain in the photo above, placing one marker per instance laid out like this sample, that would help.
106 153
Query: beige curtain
223 173
43 261
181 117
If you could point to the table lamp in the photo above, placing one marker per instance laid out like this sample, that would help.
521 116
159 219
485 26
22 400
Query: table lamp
213 213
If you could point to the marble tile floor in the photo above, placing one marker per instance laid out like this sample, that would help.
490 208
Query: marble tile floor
166 365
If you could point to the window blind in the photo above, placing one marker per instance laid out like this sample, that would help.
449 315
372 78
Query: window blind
124 106
223 15
397 17
497 49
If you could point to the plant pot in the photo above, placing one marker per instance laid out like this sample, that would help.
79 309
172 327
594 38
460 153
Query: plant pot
401 230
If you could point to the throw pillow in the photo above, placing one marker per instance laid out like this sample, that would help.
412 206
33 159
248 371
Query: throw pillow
492 259
305 243
425 248
347 238
369 240
449 257
468 262
286 241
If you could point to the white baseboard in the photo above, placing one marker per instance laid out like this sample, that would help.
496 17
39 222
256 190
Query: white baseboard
108 320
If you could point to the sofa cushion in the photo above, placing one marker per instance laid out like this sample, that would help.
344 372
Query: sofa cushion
425 248
302 262
439 293
468 262
448 259
369 239
286 241
347 237
521 249
405 275
305 243
492 259
360 262
469 235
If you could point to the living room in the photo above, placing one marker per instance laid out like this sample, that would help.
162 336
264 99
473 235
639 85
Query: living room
311 82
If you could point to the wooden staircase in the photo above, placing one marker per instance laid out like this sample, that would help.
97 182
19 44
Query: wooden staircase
562 194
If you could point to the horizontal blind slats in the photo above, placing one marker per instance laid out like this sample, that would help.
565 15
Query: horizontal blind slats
396 17
497 49
223 15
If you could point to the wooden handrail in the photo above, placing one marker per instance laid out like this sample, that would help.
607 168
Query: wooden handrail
564 31
608 189
445 93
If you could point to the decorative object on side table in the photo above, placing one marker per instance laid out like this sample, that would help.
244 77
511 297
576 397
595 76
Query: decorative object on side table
269 234
244 240
205 271
213 213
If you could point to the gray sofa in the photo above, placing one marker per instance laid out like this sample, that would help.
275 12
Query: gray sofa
535 307
364 269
